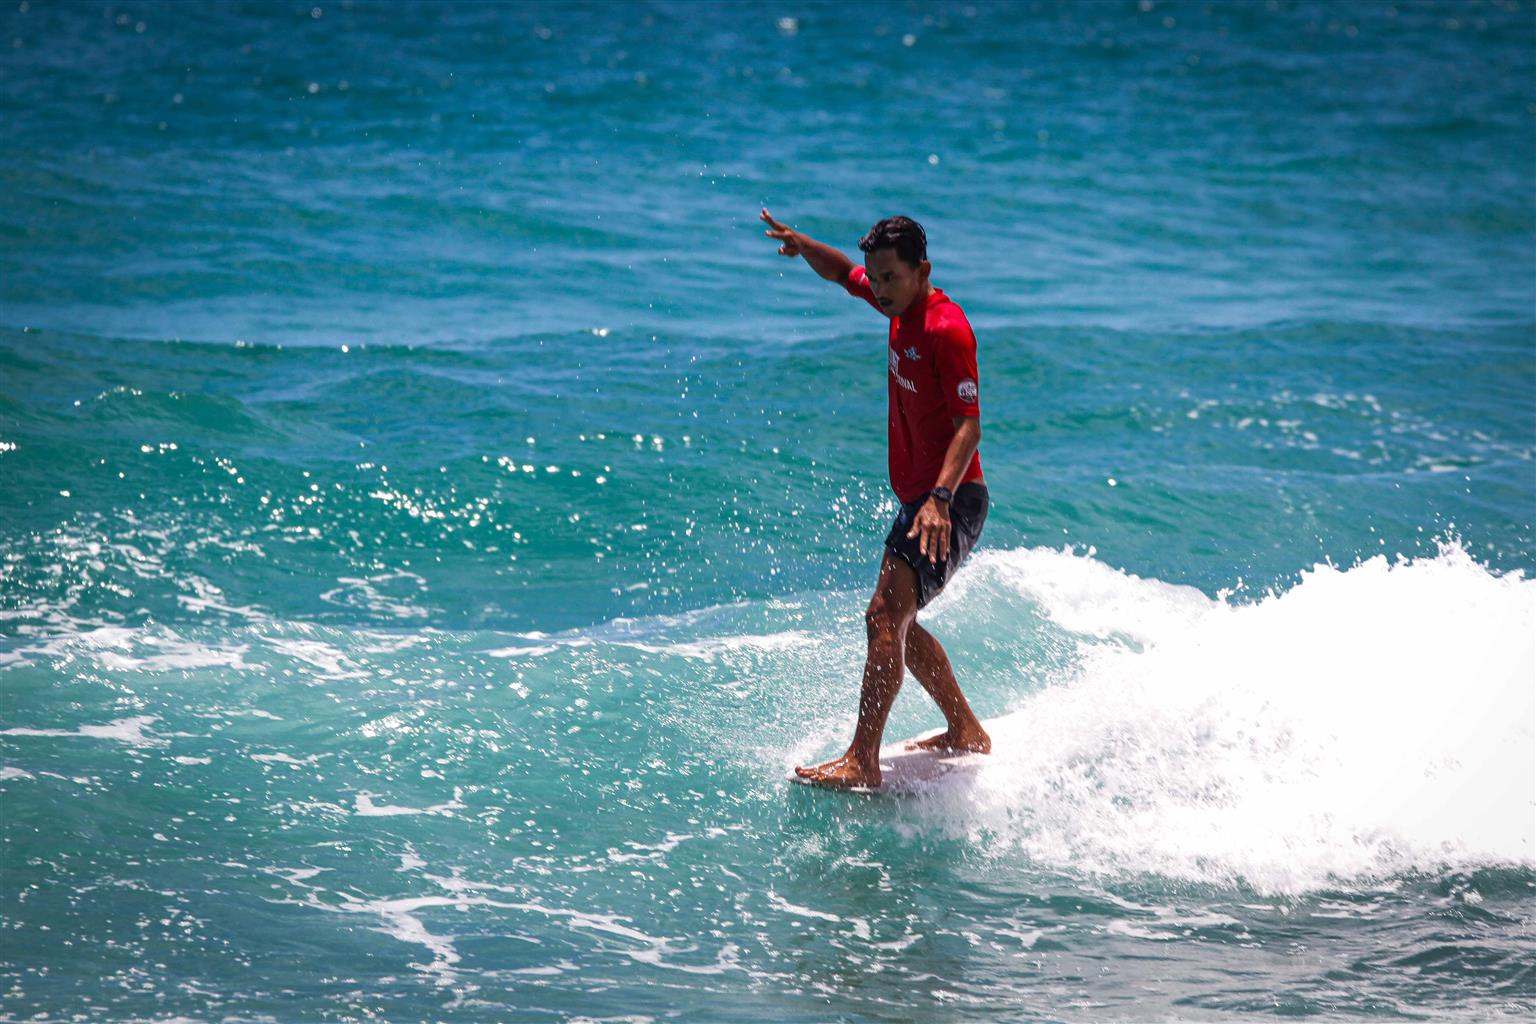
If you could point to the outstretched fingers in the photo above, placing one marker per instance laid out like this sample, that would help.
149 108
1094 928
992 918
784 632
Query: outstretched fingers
781 233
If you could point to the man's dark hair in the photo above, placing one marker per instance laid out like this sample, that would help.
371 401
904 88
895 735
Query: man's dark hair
903 234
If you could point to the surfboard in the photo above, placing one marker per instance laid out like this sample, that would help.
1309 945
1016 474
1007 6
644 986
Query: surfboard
906 772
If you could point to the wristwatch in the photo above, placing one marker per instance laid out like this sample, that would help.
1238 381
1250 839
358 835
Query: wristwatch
944 494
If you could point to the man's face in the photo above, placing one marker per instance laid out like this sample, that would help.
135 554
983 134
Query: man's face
895 282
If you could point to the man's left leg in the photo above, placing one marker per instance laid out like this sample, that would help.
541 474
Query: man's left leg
891 611
928 662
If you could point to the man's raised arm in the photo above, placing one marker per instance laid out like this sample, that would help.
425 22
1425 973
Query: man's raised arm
824 259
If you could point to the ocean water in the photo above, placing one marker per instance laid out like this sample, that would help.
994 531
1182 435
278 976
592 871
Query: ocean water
433 519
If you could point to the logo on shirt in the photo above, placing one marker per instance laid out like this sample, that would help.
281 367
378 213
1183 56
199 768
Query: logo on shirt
911 353
966 389
896 372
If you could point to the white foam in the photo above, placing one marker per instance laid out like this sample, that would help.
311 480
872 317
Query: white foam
331 662
281 758
791 908
124 730
191 657
615 635
607 930
1082 595
207 597
366 808
248 713
1366 722
535 650
149 649
368 592
714 648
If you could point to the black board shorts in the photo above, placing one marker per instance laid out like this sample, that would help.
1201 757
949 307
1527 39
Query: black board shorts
967 513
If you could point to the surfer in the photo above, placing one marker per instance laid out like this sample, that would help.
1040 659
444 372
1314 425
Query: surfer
934 423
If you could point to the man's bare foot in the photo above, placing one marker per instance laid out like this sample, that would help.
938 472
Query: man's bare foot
844 773
974 741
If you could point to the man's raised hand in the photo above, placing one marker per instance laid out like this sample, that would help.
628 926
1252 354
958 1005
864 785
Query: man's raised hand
789 238
826 261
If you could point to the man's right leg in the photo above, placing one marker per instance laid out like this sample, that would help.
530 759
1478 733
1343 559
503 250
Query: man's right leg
926 658
892 609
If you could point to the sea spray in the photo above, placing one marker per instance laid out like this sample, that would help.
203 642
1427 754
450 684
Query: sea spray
1368 721
432 519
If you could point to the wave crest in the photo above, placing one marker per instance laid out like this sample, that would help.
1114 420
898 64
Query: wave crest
1367 722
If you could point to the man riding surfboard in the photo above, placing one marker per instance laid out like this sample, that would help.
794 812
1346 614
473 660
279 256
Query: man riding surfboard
934 421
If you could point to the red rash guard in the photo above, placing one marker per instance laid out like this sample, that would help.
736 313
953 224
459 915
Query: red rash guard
932 380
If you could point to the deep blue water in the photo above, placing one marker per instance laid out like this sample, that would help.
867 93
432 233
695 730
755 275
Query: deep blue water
433 518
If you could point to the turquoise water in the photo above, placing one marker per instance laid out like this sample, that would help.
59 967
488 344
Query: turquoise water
435 520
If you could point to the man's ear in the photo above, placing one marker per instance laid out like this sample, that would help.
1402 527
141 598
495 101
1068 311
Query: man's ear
923 270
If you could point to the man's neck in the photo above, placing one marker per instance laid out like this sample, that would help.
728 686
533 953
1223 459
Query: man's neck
920 300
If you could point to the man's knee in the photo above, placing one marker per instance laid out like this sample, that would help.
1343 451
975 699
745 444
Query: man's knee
883 616
877 617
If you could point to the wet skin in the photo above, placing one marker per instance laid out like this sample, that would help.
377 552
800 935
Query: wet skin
897 642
